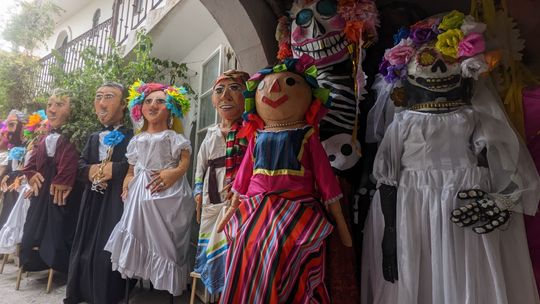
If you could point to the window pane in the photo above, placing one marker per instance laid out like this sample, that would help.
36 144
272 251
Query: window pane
207 114
210 72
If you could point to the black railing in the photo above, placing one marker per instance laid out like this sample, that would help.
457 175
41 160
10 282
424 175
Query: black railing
97 37
129 14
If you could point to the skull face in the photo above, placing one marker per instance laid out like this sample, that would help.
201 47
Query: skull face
433 71
317 30
340 151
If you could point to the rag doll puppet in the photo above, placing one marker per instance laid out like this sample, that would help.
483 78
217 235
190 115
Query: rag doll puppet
282 192
446 223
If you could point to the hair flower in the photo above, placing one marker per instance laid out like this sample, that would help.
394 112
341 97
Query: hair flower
469 26
473 67
471 45
447 42
403 33
16 153
453 20
422 35
399 54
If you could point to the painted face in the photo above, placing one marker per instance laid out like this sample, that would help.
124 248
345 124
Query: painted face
58 110
317 30
228 100
282 97
11 123
433 71
109 105
154 108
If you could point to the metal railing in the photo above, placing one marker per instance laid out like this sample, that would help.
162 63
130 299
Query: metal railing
128 15
97 37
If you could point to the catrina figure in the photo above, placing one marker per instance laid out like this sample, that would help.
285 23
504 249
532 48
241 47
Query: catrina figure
282 192
446 224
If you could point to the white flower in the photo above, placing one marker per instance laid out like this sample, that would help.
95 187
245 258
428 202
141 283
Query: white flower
473 67
470 26
405 42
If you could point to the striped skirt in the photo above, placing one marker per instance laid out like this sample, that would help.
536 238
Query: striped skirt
276 252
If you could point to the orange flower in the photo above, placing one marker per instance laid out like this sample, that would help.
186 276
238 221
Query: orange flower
33 120
284 51
353 30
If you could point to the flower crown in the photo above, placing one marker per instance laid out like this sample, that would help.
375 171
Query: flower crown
455 35
361 18
176 101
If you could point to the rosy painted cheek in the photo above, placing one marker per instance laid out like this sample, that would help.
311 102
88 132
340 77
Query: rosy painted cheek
298 34
337 23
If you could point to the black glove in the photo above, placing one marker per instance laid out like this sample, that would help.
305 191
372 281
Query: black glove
483 210
388 195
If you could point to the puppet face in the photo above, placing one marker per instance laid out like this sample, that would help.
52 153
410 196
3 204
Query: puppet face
282 97
317 30
433 71
109 105
58 110
228 100
154 108
11 123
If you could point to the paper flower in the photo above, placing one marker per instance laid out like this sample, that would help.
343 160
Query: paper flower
136 112
469 26
395 73
453 20
473 67
17 153
422 35
400 54
471 45
113 138
403 33
429 23
447 42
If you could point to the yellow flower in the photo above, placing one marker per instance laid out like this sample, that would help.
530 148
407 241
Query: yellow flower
447 42
453 20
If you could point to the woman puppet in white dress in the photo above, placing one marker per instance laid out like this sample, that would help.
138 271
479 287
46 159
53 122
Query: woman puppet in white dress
151 240
446 223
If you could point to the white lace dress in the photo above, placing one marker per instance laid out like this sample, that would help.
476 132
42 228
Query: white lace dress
151 241
430 157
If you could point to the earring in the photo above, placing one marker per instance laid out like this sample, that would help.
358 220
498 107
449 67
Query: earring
170 122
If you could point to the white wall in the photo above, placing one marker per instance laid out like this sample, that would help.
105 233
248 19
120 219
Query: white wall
78 23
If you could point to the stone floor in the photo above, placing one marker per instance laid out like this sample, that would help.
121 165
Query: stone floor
32 290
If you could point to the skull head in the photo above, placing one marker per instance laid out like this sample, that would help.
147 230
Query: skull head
317 30
433 71
341 152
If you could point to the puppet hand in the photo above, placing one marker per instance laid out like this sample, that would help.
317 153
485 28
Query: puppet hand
484 209
235 202
28 193
107 172
60 194
198 201
389 251
3 184
162 180
16 184
125 187
35 182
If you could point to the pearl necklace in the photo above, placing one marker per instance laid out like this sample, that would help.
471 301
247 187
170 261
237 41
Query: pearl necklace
437 105
285 124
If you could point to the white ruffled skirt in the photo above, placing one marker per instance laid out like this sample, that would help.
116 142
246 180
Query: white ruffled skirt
151 240
12 231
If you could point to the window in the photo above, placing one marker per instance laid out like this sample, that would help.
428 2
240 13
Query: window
206 115
95 19
138 6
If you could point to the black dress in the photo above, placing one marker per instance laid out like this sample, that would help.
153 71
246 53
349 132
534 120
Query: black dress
90 277
49 228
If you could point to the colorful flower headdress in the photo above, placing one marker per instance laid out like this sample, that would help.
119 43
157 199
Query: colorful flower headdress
33 123
176 101
361 22
302 66
454 35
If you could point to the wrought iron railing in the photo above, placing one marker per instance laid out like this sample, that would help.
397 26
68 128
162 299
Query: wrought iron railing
97 37
128 15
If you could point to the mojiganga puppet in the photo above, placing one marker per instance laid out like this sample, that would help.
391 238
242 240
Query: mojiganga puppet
453 178
282 190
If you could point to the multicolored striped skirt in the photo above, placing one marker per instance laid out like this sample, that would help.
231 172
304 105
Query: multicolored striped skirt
276 252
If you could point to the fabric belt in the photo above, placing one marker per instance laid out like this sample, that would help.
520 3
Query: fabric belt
213 190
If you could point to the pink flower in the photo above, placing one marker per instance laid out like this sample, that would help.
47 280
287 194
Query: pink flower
136 112
471 45
400 54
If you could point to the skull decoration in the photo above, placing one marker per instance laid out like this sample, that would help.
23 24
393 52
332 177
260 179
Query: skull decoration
433 71
317 30
341 152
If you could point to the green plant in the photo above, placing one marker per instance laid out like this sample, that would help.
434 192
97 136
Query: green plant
98 69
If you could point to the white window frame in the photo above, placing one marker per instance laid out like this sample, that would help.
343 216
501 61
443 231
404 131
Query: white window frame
200 131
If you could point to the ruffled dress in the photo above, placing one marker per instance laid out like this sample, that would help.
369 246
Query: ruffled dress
151 240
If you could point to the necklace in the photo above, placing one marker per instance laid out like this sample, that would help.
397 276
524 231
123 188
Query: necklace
438 105
285 124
